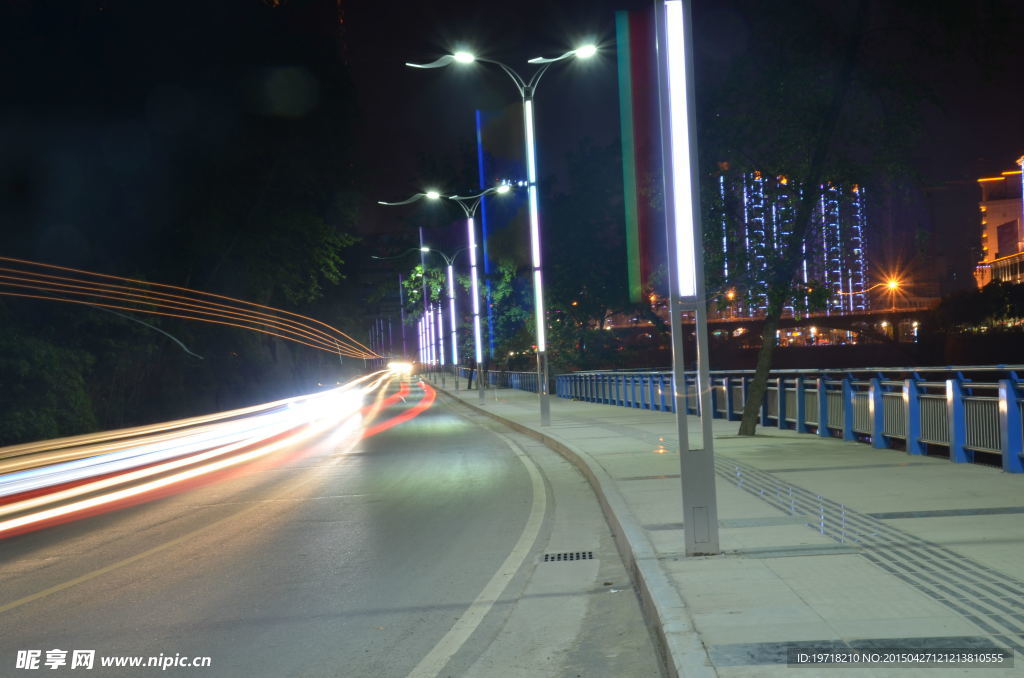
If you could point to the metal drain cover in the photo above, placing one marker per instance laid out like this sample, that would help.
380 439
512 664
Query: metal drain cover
568 556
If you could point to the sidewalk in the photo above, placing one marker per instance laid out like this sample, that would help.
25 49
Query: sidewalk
825 544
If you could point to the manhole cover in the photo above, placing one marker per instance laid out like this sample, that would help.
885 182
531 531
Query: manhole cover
568 556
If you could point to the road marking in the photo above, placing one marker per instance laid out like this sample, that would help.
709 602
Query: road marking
435 660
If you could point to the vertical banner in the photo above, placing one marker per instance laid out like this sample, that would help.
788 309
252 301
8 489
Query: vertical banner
641 161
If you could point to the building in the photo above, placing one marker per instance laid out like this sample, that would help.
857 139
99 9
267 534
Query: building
751 217
1002 228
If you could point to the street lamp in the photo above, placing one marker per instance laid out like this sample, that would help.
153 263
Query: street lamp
469 205
527 90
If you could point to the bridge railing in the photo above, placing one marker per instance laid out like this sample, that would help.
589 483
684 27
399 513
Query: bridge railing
523 381
965 409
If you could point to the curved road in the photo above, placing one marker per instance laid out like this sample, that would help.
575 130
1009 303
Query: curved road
411 552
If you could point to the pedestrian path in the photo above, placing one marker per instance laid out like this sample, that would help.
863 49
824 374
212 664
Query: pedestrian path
826 544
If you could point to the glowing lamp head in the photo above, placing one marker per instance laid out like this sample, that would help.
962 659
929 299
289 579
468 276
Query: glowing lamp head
504 188
586 51
432 195
730 295
424 249
464 57
893 284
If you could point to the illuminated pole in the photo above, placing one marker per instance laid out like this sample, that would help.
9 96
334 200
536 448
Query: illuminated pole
475 289
441 360
451 315
686 275
527 89
401 311
469 205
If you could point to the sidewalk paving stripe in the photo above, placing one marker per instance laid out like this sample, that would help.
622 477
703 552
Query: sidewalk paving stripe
905 556
769 521
947 513
804 469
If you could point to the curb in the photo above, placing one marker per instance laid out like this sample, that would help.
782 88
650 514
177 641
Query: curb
682 652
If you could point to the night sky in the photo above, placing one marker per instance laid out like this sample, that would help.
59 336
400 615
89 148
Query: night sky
91 76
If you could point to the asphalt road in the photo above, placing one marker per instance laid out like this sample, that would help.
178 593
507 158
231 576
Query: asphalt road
414 552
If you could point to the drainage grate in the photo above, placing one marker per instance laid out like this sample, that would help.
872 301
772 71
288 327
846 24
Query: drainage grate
566 557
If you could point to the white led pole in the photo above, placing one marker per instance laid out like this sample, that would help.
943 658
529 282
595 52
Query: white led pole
527 89
475 289
441 358
451 315
686 275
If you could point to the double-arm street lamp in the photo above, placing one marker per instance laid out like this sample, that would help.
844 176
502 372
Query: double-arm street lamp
469 205
527 90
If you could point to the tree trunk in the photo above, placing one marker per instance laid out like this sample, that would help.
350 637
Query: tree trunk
780 277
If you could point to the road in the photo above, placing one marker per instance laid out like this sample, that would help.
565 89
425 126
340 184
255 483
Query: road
413 552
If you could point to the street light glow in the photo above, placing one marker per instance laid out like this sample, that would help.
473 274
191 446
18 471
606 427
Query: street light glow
893 284
504 188
432 195
424 249
679 136
586 51
464 57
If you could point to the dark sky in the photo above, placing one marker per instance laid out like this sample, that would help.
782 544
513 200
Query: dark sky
969 56
966 57
411 113
94 72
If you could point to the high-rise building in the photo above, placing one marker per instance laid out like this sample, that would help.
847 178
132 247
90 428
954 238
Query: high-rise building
1002 228
752 216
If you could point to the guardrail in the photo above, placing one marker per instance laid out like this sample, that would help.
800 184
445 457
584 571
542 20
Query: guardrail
948 407
523 381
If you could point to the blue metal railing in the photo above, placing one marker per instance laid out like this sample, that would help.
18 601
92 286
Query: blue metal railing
947 406
523 381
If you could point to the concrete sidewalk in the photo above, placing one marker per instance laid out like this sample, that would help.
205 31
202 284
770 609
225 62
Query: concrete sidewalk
825 544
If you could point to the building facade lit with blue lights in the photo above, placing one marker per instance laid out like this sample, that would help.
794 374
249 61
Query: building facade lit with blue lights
752 215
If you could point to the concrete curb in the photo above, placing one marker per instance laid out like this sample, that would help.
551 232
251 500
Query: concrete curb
682 651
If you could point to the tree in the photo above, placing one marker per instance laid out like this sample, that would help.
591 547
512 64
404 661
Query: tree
807 74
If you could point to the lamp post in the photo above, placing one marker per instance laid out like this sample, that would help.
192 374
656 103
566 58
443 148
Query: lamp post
527 90
469 205
686 267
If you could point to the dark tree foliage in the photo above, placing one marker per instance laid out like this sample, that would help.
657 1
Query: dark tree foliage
214 153
814 96
997 306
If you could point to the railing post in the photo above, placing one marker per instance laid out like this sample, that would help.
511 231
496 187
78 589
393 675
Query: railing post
848 433
780 395
912 409
823 422
957 426
876 408
729 404
1010 427
764 405
801 405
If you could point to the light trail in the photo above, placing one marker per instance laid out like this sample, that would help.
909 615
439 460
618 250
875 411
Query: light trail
176 453
298 328
129 296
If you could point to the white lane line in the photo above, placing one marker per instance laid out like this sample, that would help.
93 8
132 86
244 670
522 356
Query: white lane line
435 660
